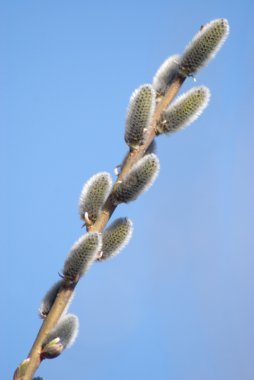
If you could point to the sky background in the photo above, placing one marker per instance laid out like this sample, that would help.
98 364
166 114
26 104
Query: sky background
177 303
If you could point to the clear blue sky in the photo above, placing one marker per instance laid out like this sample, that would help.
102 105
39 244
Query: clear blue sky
177 303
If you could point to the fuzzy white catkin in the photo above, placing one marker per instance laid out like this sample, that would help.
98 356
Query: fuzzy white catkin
204 46
94 194
166 74
186 108
116 237
66 330
138 180
82 255
139 114
49 299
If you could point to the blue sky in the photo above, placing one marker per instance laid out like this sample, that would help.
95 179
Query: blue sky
177 303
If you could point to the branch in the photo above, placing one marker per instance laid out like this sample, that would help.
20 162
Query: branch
55 313
167 82
67 289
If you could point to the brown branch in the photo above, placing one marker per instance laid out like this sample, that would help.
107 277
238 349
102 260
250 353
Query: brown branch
55 313
67 289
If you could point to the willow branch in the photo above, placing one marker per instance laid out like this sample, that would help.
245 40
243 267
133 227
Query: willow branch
197 54
54 315
67 289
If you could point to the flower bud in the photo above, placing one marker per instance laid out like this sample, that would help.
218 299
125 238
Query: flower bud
166 74
93 196
138 180
60 337
184 110
116 237
204 46
82 255
139 114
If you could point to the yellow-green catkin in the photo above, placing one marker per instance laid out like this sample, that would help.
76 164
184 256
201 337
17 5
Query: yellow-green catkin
93 196
139 114
116 237
204 46
187 108
82 255
138 180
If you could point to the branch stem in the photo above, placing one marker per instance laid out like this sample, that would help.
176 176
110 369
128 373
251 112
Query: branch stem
67 289
49 323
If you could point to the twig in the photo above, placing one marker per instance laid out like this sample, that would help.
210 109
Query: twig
67 289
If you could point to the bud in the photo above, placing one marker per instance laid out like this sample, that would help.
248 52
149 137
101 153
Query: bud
50 298
166 74
81 256
138 180
52 349
204 46
139 114
184 110
62 336
116 237
93 196
21 369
